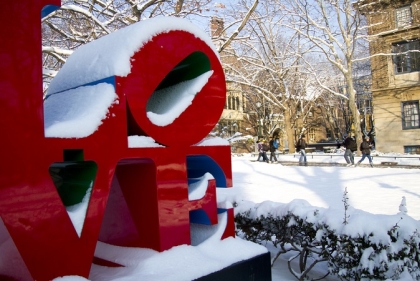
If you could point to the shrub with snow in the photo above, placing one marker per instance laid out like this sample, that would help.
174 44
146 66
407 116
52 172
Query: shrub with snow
362 246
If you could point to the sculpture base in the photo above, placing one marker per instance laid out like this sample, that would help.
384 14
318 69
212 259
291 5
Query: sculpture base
256 268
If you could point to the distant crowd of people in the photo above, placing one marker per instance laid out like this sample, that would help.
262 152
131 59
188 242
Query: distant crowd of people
349 144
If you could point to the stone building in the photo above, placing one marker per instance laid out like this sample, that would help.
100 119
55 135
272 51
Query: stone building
258 117
232 117
394 29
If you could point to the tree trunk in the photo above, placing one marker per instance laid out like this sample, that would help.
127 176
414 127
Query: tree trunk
354 112
289 131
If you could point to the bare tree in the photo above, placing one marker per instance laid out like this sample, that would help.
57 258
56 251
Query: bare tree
242 20
269 68
334 29
78 22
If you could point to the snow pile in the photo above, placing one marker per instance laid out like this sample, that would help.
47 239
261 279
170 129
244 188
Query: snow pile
167 104
77 113
111 55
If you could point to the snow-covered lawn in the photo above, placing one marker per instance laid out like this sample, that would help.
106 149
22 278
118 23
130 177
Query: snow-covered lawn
378 190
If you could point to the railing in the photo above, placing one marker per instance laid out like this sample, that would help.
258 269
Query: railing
312 155
323 146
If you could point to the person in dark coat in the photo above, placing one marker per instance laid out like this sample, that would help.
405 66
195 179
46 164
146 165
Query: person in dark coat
365 148
300 147
351 146
273 147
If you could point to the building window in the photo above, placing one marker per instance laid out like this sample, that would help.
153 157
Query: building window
410 115
311 133
414 149
405 60
403 16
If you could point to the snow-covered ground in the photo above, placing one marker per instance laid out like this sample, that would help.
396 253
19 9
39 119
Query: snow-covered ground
378 190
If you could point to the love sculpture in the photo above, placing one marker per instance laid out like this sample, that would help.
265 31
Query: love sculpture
138 195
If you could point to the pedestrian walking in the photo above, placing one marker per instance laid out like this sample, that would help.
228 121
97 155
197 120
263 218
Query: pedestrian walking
351 147
262 149
365 147
273 147
300 147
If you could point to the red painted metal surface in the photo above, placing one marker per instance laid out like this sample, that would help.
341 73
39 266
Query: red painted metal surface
152 182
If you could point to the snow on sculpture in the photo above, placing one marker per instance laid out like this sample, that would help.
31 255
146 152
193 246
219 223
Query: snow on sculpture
77 172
